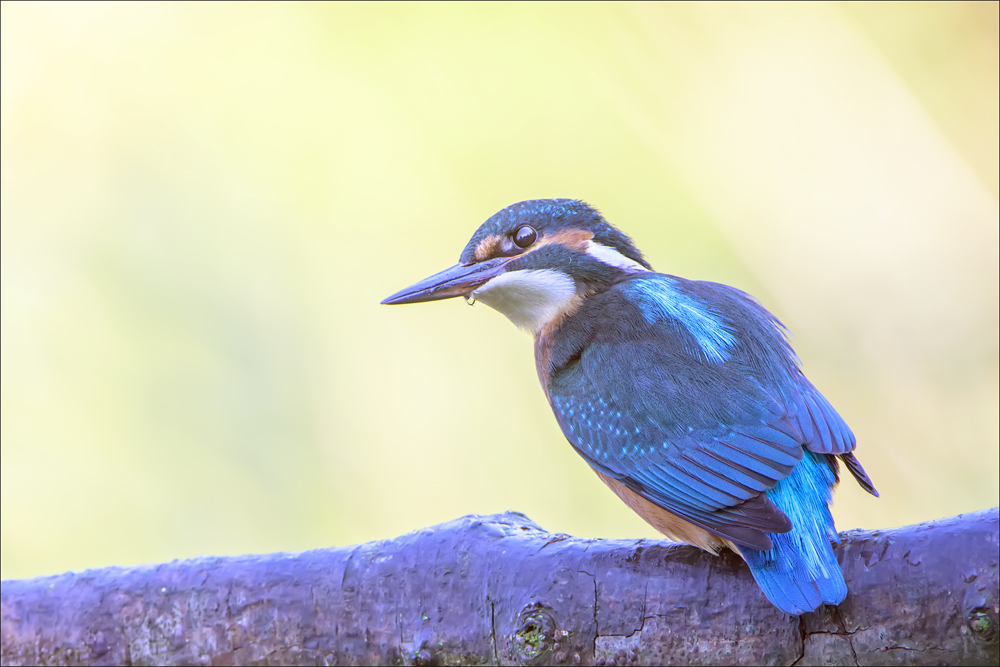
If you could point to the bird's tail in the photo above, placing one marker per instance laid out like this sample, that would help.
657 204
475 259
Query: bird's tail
801 572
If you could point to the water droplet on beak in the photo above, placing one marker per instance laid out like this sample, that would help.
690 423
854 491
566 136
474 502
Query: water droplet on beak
469 299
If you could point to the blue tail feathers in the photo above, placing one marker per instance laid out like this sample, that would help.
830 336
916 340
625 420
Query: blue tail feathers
801 572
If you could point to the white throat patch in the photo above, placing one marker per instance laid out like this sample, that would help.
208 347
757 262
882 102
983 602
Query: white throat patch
530 298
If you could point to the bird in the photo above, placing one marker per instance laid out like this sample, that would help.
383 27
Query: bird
684 396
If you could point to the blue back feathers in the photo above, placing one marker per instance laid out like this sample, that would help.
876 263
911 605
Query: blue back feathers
659 299
801 572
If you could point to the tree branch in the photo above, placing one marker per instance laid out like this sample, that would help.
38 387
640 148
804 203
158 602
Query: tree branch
499 589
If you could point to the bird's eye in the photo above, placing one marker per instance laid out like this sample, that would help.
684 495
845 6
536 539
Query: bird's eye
525 236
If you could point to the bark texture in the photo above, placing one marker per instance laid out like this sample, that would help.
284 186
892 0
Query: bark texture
498 589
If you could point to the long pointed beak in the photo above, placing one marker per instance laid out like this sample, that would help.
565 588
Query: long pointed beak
459 280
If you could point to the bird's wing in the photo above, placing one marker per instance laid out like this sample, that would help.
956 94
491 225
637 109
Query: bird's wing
714 478
700 428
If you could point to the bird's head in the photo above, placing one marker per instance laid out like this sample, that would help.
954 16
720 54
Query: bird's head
534 261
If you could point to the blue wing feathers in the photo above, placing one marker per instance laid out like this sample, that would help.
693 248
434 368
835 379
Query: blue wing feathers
767 469
825 442
752 481
720 483
695 489
756 464
767 443
806 422
689 394
825 430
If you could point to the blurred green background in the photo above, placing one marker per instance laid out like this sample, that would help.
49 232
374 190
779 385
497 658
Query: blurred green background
203 204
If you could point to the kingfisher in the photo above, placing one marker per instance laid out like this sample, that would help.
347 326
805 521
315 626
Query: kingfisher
684 396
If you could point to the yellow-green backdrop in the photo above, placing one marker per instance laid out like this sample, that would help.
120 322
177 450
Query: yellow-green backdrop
203 204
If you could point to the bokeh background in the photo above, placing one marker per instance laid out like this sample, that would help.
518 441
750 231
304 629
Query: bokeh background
203 204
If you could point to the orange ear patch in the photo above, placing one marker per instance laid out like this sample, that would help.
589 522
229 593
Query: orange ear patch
488 247
571 238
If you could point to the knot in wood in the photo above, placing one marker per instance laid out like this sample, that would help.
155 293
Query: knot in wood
537 634
983 625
